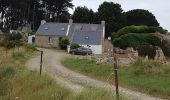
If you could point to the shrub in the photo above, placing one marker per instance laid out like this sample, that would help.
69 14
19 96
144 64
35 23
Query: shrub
74 46
18 56
30 47
119 42
166 51
63 43
134 40
147 50
32 33
138 29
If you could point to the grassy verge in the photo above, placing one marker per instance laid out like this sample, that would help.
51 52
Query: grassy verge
146 76
18 83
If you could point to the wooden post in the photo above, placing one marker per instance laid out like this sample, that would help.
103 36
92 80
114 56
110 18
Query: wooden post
116 77
41 62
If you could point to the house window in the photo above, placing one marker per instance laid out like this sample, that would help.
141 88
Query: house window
50 40
62 29
86 37
46 28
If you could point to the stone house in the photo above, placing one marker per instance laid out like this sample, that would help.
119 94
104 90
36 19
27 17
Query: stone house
87 35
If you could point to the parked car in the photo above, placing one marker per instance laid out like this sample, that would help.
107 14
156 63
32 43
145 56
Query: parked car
81 51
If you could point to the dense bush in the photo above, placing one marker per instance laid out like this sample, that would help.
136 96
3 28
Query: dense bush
138 29
147 50
134 40
166 50
74 46
63 43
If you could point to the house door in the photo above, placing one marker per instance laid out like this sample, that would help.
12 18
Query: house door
33 40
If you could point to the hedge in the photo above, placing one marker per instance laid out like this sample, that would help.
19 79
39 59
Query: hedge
134 40
137 29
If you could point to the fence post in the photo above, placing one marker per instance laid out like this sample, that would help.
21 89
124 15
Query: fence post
116 77
41 62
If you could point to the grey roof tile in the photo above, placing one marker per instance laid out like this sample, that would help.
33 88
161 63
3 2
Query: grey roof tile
87 38
59 29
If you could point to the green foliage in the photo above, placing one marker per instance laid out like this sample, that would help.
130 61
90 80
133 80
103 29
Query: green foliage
140 17
112 14
137 29
18 56
74 46
84 15
30 47
32 12
63 43
134 40
6 73
32 33
12 40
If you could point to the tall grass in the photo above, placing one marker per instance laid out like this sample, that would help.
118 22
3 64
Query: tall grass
145 76
151 67
17 83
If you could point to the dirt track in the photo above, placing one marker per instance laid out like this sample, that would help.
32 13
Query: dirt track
74 80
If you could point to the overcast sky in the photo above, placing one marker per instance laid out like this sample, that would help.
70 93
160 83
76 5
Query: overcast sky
160 8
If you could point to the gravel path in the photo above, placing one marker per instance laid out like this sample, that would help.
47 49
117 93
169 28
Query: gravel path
76 81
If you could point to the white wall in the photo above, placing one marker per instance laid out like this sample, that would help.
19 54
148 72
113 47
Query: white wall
30 39
97 49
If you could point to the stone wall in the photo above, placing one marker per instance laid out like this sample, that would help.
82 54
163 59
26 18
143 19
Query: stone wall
108 46
43 41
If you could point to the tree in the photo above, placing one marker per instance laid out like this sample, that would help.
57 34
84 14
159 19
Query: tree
21 12
58 9
140 17
112 14
84 15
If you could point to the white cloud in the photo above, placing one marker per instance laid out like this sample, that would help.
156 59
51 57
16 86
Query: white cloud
160 8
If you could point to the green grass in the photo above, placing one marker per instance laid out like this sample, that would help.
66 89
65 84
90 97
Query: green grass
18 83
97 94
156 81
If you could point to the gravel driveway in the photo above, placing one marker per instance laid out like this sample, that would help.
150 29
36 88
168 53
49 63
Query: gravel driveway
73 80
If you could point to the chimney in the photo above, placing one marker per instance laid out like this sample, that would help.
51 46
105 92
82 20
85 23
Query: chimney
103 35
70 23
43 22
103 27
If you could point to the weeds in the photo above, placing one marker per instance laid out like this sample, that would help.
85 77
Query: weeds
146 76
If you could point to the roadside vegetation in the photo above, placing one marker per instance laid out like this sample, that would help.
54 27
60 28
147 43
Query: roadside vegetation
18 83
143 75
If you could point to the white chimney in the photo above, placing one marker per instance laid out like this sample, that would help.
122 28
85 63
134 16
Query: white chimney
70 23
43 22
103 26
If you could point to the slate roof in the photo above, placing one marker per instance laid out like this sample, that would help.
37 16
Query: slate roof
84 34
59 29
87 38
